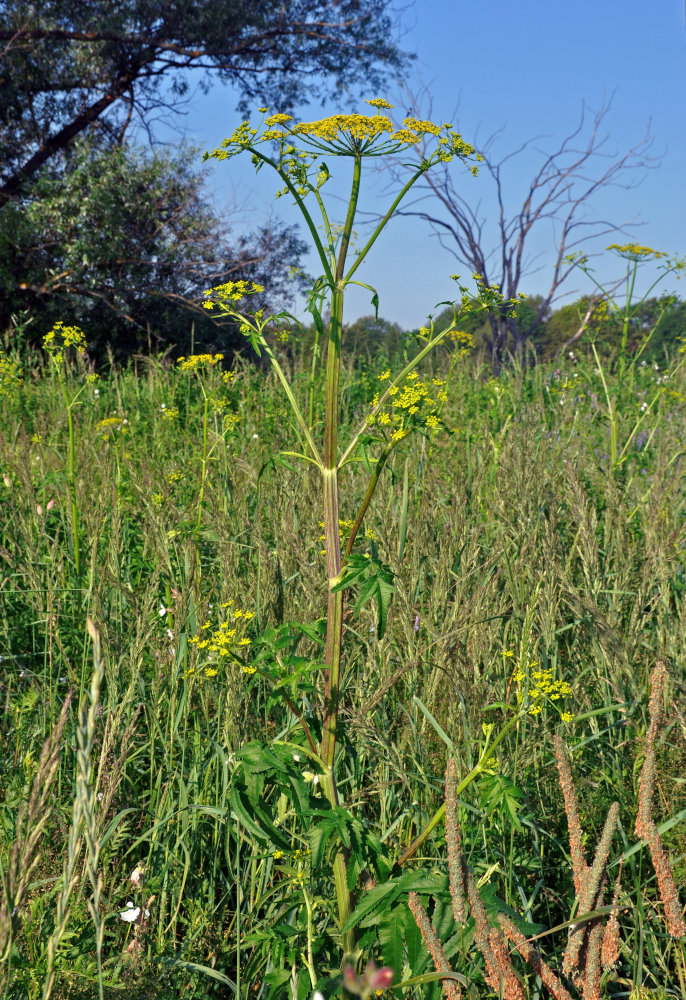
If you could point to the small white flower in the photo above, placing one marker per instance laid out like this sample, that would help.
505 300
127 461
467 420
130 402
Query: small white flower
170 634
130 913
255 436
309 776
163 611
136 875
296 757
317 995
62 680
99 796
96 392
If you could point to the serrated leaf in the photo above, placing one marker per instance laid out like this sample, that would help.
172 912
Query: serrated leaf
372 901
318 837
413 943
256 820
392 939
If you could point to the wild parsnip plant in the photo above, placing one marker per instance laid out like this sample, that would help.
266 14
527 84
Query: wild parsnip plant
403 403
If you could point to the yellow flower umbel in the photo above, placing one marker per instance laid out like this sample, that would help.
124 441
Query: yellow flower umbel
346 135
230 291
537 687
635 252
108 427
226 641
57 340
413 403
198 361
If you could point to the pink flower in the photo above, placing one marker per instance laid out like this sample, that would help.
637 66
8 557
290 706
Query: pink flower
371 980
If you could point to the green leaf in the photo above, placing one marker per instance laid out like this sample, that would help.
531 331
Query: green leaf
413 942
392 939
372 901
255 819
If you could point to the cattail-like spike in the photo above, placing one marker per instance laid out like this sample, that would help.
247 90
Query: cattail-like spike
665 883
590 984
591 895
610 950
549 979
645 825
576 836
454 846
511 988
498 967
432 942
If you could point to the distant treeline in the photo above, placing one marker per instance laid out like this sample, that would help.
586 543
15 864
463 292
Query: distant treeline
369 336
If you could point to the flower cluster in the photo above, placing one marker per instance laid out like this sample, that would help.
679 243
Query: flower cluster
169 412
542 687
407 402
61 337
226 638
635 252
344 527
10 375
463 339
231 291
110 425
198 361
561 383
345 135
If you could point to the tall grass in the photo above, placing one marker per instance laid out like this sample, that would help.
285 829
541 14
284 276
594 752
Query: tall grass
538 535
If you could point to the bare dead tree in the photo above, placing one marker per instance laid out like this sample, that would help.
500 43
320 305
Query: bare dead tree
560 193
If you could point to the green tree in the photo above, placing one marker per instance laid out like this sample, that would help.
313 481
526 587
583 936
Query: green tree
568 324
124 242
69 63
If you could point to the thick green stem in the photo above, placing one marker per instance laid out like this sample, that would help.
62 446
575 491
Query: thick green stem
630 282
334 611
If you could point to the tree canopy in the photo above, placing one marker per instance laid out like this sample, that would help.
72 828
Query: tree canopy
124 242
66 64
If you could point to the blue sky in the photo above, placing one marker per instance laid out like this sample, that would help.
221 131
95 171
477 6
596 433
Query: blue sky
526 69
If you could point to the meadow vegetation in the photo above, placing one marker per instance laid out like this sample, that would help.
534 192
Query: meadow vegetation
275 722
515 546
